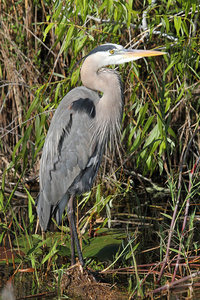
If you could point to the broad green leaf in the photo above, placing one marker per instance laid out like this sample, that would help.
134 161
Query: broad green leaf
154 134
149 161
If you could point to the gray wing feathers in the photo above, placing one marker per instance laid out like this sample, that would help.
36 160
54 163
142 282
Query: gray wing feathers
67 151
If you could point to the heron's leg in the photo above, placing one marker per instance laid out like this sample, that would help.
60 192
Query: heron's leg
70 214
73 232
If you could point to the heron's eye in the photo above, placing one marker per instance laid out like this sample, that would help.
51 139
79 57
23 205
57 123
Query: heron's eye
112 51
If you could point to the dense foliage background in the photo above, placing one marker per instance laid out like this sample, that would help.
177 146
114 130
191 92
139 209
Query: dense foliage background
40 44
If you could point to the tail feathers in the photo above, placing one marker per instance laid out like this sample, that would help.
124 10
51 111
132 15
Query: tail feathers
44 210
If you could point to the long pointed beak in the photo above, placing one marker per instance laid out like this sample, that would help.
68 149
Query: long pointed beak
136 54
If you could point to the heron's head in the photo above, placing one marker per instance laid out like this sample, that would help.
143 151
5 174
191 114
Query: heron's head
113 54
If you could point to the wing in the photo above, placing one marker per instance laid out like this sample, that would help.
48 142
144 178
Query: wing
69 150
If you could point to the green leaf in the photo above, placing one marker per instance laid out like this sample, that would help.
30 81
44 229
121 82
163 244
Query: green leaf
170 131
159 122
165 215
154 145
68 38
57 11
15 157
177 24
58 75
47 29
37 129
162 148
103 6
61 31
109 5
132 132
177 251
167 105
147 125
165 21
79 44
197 75
32 107
173 62
30 203
185 28
142 114
51 253
136 143
56 93
154 134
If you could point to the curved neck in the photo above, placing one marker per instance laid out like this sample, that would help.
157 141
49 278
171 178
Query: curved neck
106 81
90 76
110 106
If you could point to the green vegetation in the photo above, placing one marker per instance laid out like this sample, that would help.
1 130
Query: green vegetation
154 173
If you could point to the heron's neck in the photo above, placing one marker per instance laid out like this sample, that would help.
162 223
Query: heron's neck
110 106
106 81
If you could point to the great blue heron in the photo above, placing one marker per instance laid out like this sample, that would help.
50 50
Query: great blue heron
81 126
